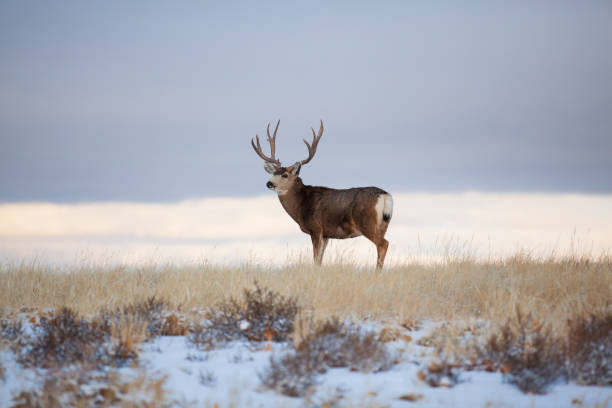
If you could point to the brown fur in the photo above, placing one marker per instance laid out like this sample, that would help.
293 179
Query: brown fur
326 213
323 212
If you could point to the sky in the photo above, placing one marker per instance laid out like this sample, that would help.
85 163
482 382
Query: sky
156 102
254 231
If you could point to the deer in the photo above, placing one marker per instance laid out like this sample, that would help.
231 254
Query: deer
326 213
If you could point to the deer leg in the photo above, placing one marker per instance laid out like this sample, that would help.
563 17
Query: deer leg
377 236
381 248
322 250
317 248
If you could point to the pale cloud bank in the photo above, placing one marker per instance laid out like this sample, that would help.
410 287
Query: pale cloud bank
257 230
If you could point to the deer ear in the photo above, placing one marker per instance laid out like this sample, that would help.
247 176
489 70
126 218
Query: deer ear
269 168
295 169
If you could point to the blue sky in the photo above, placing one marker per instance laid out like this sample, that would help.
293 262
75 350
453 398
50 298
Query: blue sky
157 101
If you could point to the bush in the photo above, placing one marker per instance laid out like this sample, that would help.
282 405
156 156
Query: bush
330 344
589 349
292 374
78 387
339 344
65 338
138 322
526 352
262 315
112 337
10 330
152 312
439 374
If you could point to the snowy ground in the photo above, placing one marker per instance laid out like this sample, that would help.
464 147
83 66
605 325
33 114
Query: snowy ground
229 376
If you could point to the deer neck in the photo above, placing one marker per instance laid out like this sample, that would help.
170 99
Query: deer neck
292 199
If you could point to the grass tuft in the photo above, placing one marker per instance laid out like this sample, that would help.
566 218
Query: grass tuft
127 333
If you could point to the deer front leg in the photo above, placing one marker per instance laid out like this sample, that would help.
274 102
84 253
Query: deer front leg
318 247
322 250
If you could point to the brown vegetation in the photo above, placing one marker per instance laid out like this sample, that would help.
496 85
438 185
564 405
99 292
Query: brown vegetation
529 353
63 339
328 344
526 352
563 328
551 289
589 348
79 387
262 314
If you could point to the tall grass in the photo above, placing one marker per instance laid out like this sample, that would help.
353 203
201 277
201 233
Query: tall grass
552 289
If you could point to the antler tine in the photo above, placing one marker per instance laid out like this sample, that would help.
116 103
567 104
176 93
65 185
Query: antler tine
312 149
271 140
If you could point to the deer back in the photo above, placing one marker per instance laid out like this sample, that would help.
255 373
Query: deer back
334 213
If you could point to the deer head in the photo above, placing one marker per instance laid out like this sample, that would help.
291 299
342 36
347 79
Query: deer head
284 177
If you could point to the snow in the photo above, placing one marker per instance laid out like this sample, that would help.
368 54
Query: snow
229 376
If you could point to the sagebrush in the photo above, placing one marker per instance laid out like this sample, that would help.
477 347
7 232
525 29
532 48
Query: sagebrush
328 344
262 314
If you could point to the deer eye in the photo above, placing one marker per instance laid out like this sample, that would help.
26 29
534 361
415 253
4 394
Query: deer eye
284 176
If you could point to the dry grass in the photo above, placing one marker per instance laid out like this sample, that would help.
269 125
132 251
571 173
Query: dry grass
557 314
549 289
128 333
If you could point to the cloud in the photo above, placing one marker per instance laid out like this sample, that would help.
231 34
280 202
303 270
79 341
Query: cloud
236 230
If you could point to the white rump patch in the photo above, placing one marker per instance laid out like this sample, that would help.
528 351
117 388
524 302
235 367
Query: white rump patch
388 210
384 207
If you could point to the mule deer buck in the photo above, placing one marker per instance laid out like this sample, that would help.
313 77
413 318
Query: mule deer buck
323 212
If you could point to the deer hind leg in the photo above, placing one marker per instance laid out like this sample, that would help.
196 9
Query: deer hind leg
376 234
381 248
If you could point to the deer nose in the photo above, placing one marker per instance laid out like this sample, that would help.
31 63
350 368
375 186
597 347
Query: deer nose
269 184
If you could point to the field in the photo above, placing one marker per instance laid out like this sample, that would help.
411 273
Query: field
457 288
516 331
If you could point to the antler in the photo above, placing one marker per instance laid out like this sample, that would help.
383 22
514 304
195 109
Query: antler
272 141
312 149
